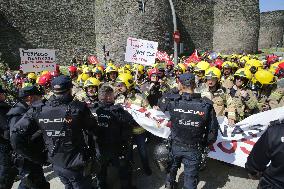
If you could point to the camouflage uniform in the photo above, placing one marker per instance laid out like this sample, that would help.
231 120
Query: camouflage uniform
153 92
223 103
227 82
76 88
172 83
244 106
276 99
263 101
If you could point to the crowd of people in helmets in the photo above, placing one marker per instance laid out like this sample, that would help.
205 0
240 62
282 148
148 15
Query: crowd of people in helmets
239 85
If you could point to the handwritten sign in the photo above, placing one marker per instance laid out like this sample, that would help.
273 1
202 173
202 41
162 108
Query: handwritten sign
141 51
37 60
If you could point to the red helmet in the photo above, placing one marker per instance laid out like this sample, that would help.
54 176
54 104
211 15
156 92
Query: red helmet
153 71
218 63
270 59
55 74
280 70
169 63
45 80
72 69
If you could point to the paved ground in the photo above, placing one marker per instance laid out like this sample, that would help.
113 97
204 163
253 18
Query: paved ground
217 175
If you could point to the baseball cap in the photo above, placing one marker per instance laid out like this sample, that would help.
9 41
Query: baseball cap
187 79
61 84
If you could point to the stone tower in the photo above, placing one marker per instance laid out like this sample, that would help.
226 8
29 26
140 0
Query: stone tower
196 23
236 26
271 29
120 19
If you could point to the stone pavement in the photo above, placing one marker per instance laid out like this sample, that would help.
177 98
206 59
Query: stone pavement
217 175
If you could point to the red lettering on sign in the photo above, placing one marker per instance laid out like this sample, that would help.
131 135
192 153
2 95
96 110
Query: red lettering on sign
228 151
247 142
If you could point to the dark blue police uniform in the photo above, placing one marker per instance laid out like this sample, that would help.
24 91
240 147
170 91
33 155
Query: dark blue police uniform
31 173
65 124
266 157
194 125
7 172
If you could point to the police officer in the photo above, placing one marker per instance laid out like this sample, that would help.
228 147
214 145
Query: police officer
114 138
65 124
6 167
269 148
194 125
31 173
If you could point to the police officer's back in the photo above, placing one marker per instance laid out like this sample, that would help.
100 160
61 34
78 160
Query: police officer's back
268 149
31 173
65 123
114 136
6 179
194 125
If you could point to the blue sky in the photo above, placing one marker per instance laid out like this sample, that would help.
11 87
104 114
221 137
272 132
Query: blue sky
270 5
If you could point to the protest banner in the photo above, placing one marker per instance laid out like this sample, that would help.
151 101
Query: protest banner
37 60
141 51
162 56
233 144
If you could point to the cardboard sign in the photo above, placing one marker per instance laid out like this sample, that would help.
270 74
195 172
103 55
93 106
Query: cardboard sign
141 51
37 60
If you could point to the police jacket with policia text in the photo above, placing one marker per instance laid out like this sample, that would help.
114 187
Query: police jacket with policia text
267 155
114 130
193 118
65 124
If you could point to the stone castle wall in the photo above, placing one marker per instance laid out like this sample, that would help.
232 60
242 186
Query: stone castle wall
271 29
236 26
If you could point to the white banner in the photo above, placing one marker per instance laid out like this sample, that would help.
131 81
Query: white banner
233 144
141 51
37 60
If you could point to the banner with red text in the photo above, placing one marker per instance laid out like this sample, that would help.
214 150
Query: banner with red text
235 143
37 60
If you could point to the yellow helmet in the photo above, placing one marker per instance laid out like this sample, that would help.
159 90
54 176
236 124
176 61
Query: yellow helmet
98 69
111 68
256 63
180 67
202 66
86 70
92 82
244 59
110 63
235 65
273 67
83 77
213 72
44 72
138 67
227 64
264 77
127 66
243 72
125 78
32 76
